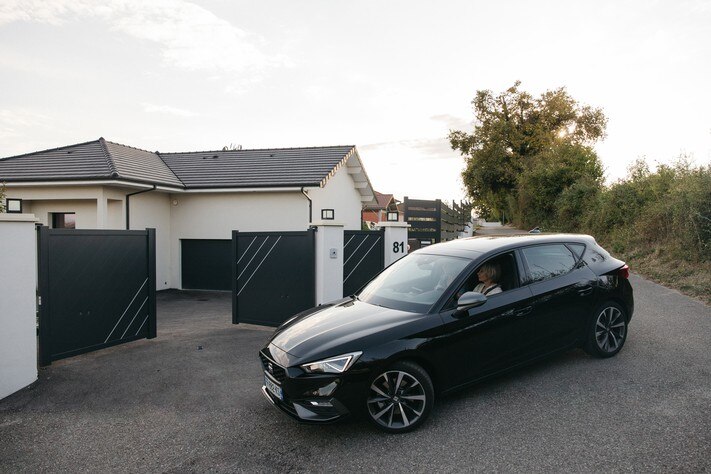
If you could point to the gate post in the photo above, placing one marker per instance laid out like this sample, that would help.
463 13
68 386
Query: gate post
235 252
43 302
18 279
152 309
329 261
395 240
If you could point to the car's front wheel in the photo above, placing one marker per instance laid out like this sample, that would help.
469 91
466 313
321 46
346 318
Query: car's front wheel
400 398
608 331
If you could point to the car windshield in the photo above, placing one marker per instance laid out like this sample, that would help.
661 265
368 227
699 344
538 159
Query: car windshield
414 283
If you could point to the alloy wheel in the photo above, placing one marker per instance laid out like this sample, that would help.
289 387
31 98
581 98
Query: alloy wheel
610 329
396 400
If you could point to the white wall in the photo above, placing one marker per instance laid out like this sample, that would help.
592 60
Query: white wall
216 215
115 218
341 195
196 215
85 210
82 200
18 282
152 209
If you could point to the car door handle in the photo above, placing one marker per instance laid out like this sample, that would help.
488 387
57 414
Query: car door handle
523 311
586 290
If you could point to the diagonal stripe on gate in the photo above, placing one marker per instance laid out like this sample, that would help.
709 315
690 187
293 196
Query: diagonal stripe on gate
356 249
134 317
255 254
124 312
141 326
359 261
260 264
349 241
246 250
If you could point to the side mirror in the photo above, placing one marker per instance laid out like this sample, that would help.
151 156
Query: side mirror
467 301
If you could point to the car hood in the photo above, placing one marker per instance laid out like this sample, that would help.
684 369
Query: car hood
342 328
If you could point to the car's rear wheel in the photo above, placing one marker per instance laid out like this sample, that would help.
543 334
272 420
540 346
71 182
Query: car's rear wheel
400 398
608 331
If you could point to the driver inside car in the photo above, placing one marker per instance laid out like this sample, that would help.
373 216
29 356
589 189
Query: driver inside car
489 275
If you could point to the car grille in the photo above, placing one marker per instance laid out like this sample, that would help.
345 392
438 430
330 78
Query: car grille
277 371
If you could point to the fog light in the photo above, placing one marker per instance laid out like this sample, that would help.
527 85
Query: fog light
324 391
319 403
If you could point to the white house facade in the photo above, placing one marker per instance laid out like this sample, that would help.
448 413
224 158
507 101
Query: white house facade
196 196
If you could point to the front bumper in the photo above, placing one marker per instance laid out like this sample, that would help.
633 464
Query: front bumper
311 398
309 411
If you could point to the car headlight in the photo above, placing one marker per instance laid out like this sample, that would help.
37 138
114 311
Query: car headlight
333 365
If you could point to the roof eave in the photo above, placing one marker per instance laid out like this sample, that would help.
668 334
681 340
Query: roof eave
98 180
252 189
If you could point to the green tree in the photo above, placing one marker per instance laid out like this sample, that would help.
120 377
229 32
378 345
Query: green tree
2 197
513 131
545 180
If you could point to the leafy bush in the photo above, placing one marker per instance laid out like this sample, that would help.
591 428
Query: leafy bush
666 211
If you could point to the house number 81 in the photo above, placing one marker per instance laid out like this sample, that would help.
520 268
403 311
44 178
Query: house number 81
398 247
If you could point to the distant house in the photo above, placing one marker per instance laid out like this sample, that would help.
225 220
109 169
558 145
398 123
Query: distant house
378 212
196 196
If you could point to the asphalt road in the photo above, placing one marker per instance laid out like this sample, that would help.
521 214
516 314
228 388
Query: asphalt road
165 405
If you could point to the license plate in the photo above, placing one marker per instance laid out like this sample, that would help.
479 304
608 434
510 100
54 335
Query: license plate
274 388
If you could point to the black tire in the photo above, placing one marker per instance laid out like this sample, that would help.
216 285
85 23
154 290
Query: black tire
607 331
400 397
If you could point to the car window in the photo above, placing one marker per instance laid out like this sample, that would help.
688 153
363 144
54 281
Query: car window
596 254
414 283
507 278
548 261
577 249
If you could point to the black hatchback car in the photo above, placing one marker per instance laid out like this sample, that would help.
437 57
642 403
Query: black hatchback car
419 329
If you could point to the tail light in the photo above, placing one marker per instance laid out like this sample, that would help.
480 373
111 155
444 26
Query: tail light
624 272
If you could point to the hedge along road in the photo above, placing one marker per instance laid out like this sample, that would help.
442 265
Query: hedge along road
166 405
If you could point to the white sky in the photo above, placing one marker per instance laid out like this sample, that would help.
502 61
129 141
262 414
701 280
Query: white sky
391 77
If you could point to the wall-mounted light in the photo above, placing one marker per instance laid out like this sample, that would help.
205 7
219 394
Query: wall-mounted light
328 214
174 202
13 206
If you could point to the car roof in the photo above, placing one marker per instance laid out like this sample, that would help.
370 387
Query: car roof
473 247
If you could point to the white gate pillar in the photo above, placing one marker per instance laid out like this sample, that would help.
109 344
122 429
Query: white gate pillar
395 240
329 261
18 283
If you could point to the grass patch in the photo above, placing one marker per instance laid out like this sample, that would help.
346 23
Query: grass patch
659 265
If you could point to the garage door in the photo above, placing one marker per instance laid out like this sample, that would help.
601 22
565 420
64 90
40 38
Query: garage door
206 264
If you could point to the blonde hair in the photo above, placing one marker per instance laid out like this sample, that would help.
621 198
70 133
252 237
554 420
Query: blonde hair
492 270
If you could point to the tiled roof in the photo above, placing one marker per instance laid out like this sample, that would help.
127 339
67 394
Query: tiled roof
82 161
140 165
256 168
101 159
97 159
382 201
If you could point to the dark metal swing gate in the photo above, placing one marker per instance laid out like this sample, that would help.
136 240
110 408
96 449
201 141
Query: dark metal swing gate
362 258
96 289
273 276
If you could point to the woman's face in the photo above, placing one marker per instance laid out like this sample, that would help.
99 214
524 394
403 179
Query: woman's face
483 275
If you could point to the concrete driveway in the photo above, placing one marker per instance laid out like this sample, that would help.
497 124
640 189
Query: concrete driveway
189 401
